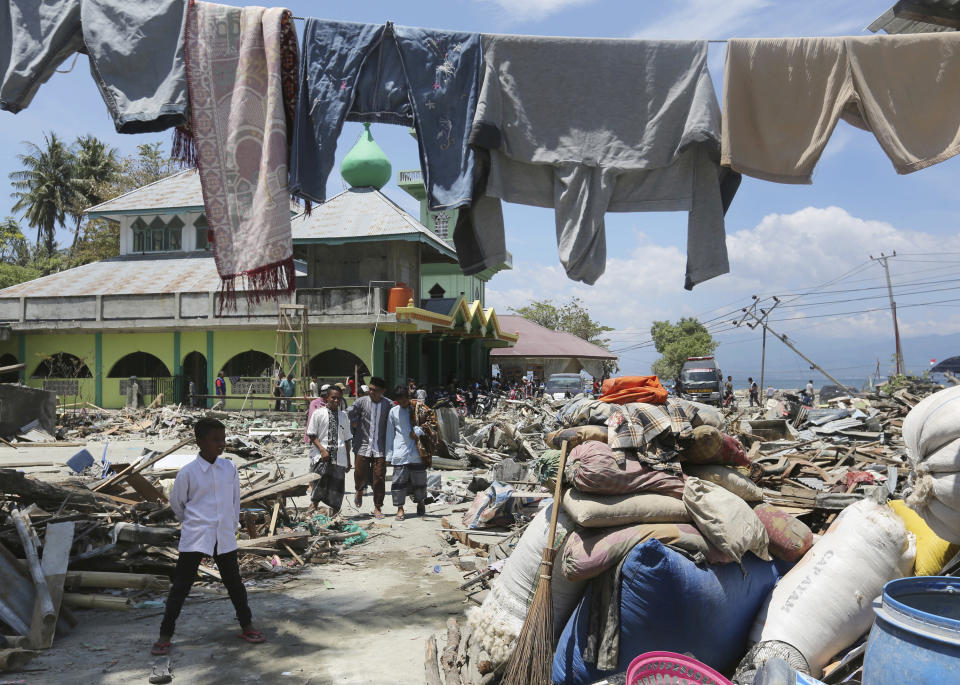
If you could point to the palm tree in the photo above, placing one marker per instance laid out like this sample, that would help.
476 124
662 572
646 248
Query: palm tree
95 169
44 189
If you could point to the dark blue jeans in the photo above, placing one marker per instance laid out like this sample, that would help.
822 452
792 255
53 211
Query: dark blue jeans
387 74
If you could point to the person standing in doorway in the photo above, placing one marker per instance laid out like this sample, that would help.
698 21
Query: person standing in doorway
220 385
351 386
192 389
368 423
754 392
314 389
329 433
206 500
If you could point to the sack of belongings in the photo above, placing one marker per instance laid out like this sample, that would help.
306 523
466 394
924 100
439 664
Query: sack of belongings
594 467
497 622
725 520
823 604
668 603
931 433
602 511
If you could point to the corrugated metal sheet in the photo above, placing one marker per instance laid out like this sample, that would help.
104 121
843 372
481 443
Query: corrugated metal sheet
131 275
891 24
360 213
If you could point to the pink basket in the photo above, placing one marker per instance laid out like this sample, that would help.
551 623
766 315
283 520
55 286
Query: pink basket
654 668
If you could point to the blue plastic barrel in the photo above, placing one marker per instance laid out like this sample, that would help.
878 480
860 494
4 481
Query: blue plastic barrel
916 637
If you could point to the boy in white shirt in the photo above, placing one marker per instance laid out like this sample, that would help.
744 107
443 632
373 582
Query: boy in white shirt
206 500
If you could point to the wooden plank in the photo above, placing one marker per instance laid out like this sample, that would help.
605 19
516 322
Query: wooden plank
132 468
273 518
274 539
56 556
147 490
281 488
44 615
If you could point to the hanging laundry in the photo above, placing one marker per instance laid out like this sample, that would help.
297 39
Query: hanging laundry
587 126
235 64
782 98
135 50
387 74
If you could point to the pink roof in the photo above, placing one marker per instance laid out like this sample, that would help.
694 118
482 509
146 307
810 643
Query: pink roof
537 341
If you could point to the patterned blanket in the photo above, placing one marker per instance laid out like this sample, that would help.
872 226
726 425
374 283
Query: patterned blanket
238 62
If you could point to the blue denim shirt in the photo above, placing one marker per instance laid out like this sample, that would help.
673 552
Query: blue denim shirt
401 448
387 74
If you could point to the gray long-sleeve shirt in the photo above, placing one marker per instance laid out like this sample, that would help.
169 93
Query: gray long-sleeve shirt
590 125
368 419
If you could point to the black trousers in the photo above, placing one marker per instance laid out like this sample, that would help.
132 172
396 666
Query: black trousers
186 573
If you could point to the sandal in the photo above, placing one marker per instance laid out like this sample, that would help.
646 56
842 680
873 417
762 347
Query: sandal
160 648
161 673
252 636
400 517
378 514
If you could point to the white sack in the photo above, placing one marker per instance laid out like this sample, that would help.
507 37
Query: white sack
498 621
824 603
934 422
725 520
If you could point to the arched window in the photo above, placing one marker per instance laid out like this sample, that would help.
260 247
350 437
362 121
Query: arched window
141 365
62 365
249 364
336 364
11 376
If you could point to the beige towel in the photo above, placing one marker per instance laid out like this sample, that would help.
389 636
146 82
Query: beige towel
782 98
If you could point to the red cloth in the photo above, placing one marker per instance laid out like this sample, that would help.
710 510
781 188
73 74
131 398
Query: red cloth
732 452
627 389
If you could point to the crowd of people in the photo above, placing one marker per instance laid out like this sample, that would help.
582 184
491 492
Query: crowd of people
807 396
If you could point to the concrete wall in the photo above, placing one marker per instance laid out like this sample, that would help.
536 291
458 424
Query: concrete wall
358 264
20 405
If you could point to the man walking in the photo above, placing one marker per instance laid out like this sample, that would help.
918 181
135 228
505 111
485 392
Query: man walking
329 433
407 423
206 500
754 392
368 422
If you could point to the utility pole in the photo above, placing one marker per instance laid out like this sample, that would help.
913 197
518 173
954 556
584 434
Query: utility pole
893 309
783 339
763 349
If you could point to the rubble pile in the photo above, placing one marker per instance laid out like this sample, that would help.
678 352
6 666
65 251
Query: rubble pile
796 512
100 535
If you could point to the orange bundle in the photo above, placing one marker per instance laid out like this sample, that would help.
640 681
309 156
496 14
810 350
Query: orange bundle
626 389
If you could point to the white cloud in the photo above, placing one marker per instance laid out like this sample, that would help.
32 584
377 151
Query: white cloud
702 19
708 19
524 10
784 254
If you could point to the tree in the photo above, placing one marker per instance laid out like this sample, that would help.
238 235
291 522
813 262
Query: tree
44 188
95 170
675 342
572 317
100 238
13 244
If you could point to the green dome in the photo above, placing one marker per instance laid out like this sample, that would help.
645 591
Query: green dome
366 165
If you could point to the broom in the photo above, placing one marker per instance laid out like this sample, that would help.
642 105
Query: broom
532 661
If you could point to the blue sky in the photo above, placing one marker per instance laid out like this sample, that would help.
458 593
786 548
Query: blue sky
782 239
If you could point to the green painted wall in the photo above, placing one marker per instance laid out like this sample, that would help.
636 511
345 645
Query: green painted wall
112 346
